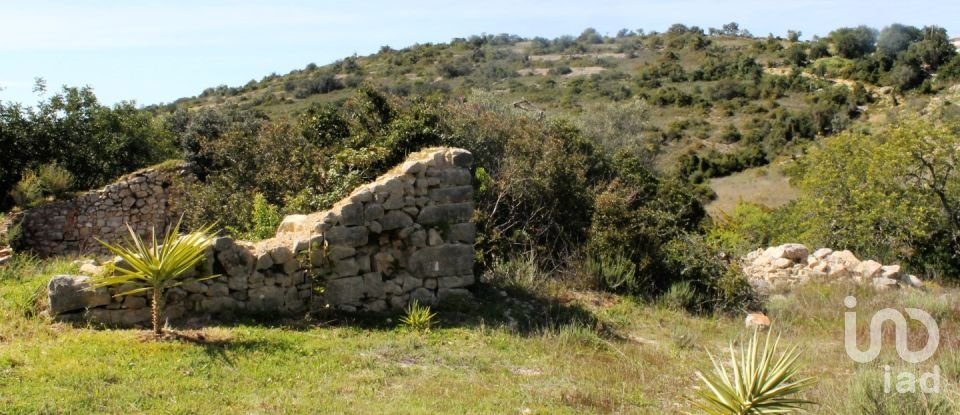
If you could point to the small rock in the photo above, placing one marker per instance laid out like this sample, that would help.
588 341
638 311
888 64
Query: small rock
757 320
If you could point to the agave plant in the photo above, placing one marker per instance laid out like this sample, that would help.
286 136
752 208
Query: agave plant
418 317
157 267
762 383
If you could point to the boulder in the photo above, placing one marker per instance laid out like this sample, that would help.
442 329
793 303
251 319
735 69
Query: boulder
846 258
781 263
72 293
757 320
793 252
869 268
884 283
822 253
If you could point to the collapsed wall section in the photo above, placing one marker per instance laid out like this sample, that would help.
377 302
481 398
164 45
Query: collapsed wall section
146 200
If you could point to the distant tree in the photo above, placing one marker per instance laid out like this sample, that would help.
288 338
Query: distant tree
796 55
624 33
39 85
854 42
818 49
677 29
933 49
794 35
590 36
896 38
731 29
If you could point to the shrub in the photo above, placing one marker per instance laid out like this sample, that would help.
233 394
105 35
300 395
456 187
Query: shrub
867 396
418 317
520 272
28 192
762 382
157 267
680 296
719 285
55 180
264 219
613 272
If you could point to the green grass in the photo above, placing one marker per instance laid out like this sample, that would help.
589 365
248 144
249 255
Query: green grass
574 352
767 186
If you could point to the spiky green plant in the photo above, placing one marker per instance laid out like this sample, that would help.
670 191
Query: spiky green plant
418 317
762 383
157 267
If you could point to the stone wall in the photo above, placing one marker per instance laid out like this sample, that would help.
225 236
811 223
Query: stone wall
406 236
146 199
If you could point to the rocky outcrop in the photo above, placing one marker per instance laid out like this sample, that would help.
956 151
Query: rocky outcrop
786 265
406 236
146 200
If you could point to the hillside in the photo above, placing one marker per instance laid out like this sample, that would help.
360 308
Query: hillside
705 104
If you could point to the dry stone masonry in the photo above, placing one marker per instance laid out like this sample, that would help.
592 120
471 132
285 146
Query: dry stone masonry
783 266
406 236
146 200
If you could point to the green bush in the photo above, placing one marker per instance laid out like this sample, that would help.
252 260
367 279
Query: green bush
264 220
613 273
55 180
680 296
28 192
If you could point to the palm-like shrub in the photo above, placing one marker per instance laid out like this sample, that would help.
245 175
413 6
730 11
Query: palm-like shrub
762 383
157 267
418 317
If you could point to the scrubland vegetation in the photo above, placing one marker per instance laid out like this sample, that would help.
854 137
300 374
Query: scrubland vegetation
604 280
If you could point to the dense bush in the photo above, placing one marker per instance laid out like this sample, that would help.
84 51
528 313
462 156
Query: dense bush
93 142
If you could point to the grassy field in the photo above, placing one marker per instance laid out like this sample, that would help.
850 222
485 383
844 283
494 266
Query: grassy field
767 186
510 352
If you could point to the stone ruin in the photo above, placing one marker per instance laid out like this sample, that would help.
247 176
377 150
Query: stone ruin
781 267
147 199
406 236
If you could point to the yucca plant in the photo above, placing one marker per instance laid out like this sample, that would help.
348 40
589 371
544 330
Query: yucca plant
418 317
157 267
762 383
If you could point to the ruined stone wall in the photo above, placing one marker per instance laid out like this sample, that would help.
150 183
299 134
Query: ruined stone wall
145 199
406 236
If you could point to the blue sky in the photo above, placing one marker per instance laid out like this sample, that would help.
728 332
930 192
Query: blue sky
158 51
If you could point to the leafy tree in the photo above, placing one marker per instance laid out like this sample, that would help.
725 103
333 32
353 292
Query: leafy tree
590 36
896 38
854 42
94 142
934 48
731 29
794 35
847 180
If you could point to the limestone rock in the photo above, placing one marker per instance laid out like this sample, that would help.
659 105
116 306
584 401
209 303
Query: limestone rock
757 320
71 293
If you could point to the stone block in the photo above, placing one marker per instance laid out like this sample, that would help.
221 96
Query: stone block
71 293
455 194
395 219
442 261
347 235
344 291
445 214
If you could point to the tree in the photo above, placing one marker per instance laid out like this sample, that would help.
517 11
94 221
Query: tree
731 29
854 42
590 36
934 48
847 182
896 38
157 267
794 35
